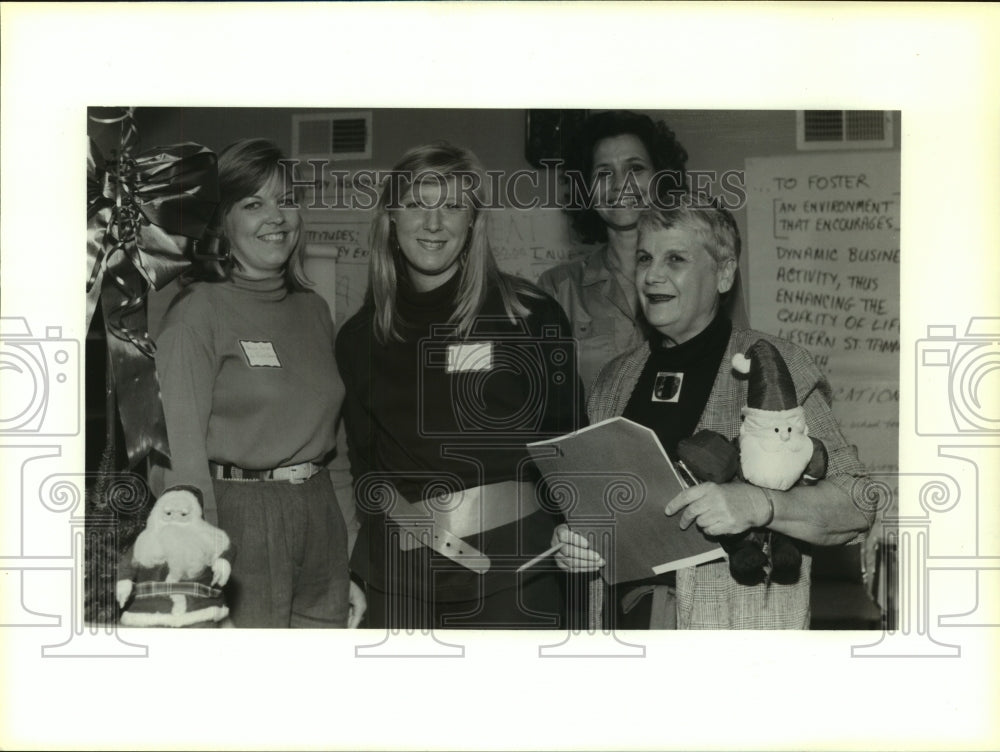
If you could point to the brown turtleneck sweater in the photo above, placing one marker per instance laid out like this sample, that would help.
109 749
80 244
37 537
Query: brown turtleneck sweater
247 378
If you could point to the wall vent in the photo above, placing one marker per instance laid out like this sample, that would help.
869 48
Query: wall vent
843 129
335 136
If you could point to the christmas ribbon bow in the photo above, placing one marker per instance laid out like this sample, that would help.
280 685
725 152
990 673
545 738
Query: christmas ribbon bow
144 216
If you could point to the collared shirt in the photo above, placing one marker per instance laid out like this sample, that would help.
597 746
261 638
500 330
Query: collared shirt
601 307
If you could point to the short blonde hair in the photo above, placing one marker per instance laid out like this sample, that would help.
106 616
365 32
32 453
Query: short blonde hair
244 167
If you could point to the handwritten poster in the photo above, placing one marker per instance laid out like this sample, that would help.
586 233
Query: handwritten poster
337 258
824 258
526 242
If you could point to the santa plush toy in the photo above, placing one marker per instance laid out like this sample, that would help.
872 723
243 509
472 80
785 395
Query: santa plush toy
773 450
178 565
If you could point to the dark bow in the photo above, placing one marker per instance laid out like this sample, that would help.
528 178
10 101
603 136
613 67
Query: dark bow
144 216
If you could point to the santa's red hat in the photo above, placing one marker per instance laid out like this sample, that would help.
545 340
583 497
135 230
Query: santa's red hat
771 386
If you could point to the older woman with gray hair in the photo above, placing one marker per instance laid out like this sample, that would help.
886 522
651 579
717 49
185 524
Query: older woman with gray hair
686 262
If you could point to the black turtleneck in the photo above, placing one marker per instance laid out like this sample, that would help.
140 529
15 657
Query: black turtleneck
417 311
669 397
409 417
676 381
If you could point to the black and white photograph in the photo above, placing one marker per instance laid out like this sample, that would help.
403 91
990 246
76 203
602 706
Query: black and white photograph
390 385
365 269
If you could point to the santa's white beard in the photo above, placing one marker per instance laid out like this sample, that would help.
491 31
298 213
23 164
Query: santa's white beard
186 548
767 460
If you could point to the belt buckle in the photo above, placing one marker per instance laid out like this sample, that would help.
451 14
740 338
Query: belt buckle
299 473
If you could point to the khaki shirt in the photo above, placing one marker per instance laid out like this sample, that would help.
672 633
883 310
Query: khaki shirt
605 319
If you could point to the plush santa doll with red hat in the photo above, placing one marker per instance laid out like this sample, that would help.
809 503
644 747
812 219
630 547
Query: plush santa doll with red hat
773 451
174 574
775 448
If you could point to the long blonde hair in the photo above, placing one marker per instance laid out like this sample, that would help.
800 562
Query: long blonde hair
478 271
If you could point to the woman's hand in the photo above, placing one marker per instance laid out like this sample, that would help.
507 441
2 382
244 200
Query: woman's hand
359 604
727 509
575 554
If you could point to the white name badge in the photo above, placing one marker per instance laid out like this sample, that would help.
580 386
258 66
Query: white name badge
260 354
470 356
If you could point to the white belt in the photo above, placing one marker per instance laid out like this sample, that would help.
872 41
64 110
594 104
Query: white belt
441 523
292 473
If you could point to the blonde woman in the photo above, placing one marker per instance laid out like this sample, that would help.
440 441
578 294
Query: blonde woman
451 367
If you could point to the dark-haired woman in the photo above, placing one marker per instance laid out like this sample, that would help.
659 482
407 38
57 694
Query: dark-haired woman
617 161
252 398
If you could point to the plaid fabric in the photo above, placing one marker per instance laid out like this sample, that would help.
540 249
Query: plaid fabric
158 603
707 596
196 589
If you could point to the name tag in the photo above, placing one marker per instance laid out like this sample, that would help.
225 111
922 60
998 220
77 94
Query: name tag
470 356
260 354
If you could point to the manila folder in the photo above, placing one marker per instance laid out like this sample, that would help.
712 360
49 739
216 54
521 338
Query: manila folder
612 481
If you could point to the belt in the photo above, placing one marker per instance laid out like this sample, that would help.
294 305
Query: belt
195 589
292 473
441 522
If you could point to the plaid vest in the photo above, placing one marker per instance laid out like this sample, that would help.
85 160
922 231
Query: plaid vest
707 596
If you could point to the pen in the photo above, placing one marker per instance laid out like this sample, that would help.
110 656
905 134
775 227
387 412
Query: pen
688 473
538 558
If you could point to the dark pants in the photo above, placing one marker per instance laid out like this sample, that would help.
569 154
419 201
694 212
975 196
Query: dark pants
290 568
537 602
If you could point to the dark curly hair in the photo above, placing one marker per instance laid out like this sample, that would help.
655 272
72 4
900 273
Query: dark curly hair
661 143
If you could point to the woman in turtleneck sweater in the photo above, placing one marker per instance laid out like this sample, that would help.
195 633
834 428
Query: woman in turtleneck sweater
252 398
451 367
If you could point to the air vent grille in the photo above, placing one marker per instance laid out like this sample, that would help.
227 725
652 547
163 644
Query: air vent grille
336 136
350 136
844 129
